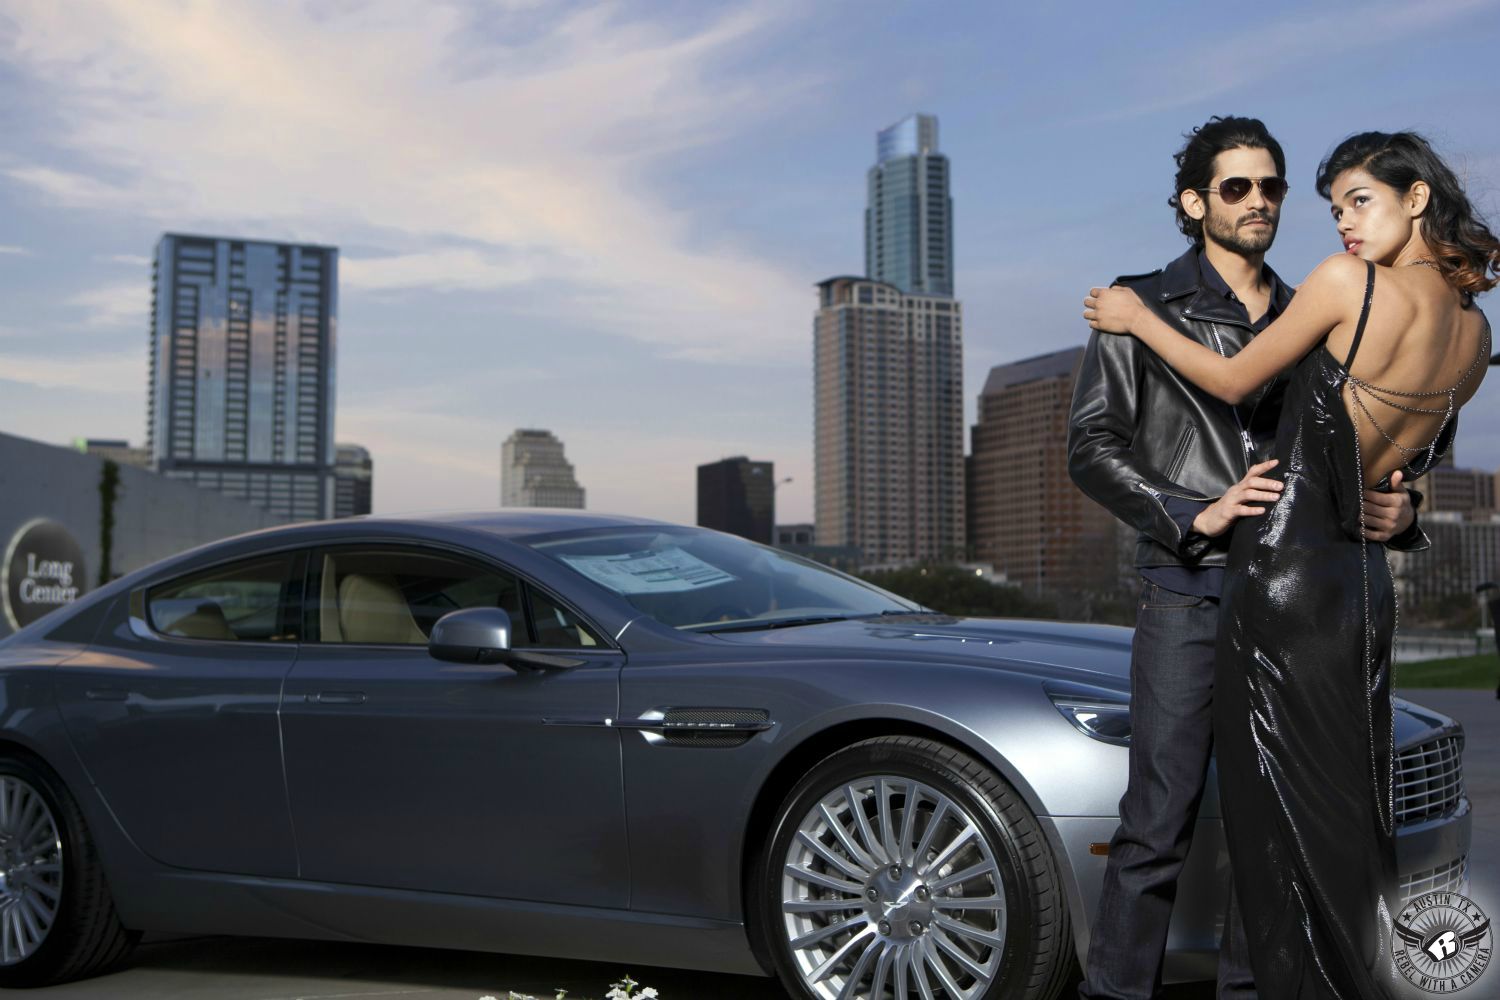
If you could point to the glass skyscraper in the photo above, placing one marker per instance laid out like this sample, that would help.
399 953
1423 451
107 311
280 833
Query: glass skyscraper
909 215
243 337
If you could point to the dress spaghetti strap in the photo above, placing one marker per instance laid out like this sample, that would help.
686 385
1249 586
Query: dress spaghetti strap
1359 388
1364 313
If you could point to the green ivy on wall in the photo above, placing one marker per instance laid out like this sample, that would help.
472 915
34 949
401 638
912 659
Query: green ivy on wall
109 492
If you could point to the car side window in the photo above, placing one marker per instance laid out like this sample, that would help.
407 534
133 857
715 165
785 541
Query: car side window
557 626
241 602
389 596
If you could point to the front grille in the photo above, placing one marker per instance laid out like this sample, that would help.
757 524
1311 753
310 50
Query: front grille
1429 779
1444 878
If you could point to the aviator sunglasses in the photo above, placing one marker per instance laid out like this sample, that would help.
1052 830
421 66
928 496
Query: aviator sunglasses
1235 189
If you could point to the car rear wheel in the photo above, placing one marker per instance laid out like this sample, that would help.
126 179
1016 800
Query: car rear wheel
901 867
57 920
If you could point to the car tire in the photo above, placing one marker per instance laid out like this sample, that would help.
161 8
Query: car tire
57 918
940 876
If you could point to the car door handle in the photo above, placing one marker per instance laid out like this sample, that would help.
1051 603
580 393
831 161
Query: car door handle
338 697
107 694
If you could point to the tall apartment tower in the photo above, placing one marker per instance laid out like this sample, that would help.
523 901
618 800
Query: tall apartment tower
243 337
738 496
1026 517
909 216
535 473
353 481
888 448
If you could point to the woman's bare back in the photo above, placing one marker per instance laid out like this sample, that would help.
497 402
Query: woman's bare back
1419 342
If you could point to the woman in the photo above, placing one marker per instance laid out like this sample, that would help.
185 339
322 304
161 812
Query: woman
1387 345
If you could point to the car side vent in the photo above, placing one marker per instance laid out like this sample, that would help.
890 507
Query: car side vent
710 727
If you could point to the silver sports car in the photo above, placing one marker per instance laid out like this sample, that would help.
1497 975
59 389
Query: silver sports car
578 735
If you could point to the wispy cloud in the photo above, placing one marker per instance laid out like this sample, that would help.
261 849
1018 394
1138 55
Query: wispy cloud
14 251
122 305
1230 65
118 374
133 259
442 270
539 157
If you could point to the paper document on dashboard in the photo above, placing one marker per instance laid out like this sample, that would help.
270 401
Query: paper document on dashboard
652 571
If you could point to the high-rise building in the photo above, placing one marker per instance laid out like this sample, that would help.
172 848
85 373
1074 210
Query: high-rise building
909 216
738 496
115 450
1026 517
1465 553
353 481
1450 489
243 339
888 422
535 473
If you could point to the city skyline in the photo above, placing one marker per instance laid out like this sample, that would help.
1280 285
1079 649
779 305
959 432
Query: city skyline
643 262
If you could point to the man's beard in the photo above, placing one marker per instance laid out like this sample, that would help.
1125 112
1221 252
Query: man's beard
1229 236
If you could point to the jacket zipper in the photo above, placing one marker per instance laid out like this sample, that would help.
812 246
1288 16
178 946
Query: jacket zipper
1245 440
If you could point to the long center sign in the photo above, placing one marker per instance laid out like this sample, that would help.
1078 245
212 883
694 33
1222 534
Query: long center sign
43 570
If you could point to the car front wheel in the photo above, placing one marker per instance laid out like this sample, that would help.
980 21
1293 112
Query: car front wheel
901 867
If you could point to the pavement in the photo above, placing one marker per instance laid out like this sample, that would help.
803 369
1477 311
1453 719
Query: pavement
264 969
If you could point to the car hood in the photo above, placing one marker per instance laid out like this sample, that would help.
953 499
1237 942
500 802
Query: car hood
1097 655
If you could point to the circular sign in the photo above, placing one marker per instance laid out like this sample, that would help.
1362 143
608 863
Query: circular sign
43 570
1442 942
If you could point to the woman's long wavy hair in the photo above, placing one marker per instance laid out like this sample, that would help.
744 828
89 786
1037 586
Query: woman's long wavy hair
1466 251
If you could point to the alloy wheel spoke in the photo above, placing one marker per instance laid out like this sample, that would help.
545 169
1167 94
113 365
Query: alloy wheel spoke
37 885
925 844
983 935
916 957
968 902
882 972
935 962
947 945
831 856
985 867
903 972
832 962
861 966
821 905
842 834
862 824
826 881
964 836
29 918
885 791
832 930
909 825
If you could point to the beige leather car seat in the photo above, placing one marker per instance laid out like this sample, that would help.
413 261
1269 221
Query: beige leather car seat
371 609
206 621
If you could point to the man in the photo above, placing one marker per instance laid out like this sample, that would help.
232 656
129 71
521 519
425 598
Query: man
1181 467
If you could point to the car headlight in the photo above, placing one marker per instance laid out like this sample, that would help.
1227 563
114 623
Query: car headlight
1106 721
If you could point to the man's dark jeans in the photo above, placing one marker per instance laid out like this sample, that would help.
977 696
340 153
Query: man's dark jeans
1171 722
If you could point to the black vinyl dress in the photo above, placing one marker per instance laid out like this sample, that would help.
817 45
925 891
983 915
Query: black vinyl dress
1303 724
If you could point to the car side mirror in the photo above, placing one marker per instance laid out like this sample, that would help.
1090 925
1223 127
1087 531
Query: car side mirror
471 635
482 635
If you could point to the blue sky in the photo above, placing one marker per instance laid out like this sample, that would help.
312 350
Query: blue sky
607 219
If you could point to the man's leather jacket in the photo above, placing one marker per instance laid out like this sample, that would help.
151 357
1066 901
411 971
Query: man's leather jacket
1140 433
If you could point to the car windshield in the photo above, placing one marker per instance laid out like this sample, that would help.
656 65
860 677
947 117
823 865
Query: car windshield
701 580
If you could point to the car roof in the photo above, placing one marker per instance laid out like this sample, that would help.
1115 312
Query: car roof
512 523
